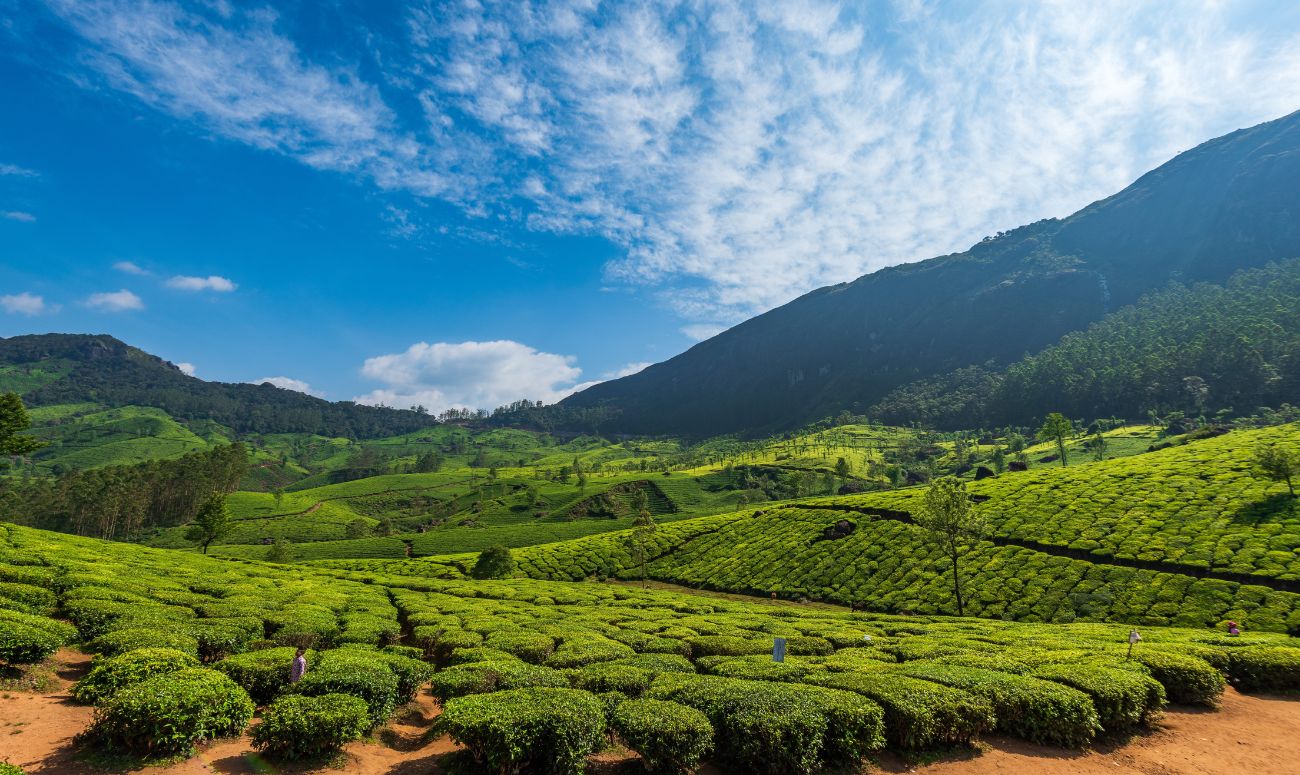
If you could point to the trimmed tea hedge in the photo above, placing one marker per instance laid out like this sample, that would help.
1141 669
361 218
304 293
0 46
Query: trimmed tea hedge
168 714
108 675
527 730
671 738
296 727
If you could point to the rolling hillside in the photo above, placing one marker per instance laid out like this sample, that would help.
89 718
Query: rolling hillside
1225 205
1183 535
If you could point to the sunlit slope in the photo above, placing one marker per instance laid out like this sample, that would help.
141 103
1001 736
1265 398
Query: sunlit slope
1147 518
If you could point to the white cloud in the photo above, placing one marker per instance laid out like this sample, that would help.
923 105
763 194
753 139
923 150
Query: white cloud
701 331
187 369
16 171
130 267
23 304
740 153
115 301
469 375
209 283
626 371
289 383
18 215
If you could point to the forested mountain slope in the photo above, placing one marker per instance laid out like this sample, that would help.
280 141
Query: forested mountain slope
1193 349
1225 205
50 369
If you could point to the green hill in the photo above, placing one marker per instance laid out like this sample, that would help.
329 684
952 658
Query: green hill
1183 535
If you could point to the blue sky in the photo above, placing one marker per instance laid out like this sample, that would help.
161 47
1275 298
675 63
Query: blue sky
463 204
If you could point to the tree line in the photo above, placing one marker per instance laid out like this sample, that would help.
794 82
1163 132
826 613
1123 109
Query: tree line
120 501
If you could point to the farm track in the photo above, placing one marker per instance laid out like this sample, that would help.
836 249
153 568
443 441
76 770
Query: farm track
894 515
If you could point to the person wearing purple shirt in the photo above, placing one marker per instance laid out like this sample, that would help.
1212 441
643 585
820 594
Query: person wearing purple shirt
299 667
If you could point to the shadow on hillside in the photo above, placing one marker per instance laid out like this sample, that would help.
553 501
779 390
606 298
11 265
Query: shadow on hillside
1270 509
434 764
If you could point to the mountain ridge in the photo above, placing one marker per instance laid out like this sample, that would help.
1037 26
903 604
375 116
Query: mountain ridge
1227 204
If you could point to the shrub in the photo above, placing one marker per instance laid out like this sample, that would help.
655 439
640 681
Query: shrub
22 644
1265 668
529 646
1030 708
612 677
527 730
411 674
671 738
587 650
121 641
35 600
109 675
168 714
262 673
774 727
1123 698
10 769
1187 680
295 727
918 714
410 652
484 677
727 646
374 683
65 632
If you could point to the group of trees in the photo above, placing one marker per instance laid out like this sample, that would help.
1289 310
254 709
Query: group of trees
1194 350
118 501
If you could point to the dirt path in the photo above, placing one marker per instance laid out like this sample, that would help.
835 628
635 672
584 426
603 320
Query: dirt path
1256 734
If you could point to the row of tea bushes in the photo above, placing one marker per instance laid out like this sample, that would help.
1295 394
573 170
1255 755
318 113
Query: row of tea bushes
1197 506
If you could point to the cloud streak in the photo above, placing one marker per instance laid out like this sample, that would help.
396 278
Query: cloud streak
213 283
23 304
739 153
115 301
289 383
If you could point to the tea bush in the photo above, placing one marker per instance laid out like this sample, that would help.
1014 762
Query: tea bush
918 714
263 674
671 738
527 730
484 677
168 714
1188 680
374 683
110 674
296 727
1265 667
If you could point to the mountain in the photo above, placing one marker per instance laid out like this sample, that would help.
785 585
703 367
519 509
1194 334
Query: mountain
1228 204
47 369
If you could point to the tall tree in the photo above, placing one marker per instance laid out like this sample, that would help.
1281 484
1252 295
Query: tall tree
952 523
494 562
1057 427
13 421
1277 463
638 541
211 523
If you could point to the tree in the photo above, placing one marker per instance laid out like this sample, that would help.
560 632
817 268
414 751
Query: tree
842 468
1277 463
281 551
952 523
1098 446
212 522
13 421
1057 427
384 528
278 494
999 460
357 528
638 541
494 562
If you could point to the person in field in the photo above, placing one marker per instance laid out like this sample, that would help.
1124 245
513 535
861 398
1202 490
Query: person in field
299 666
1233 629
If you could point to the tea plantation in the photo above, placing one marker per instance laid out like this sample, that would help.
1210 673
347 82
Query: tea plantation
537 674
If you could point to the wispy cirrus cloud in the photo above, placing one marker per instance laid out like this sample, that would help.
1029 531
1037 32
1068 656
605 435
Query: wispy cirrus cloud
18 215
115 301
13 170
740 153
214 283
131 267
